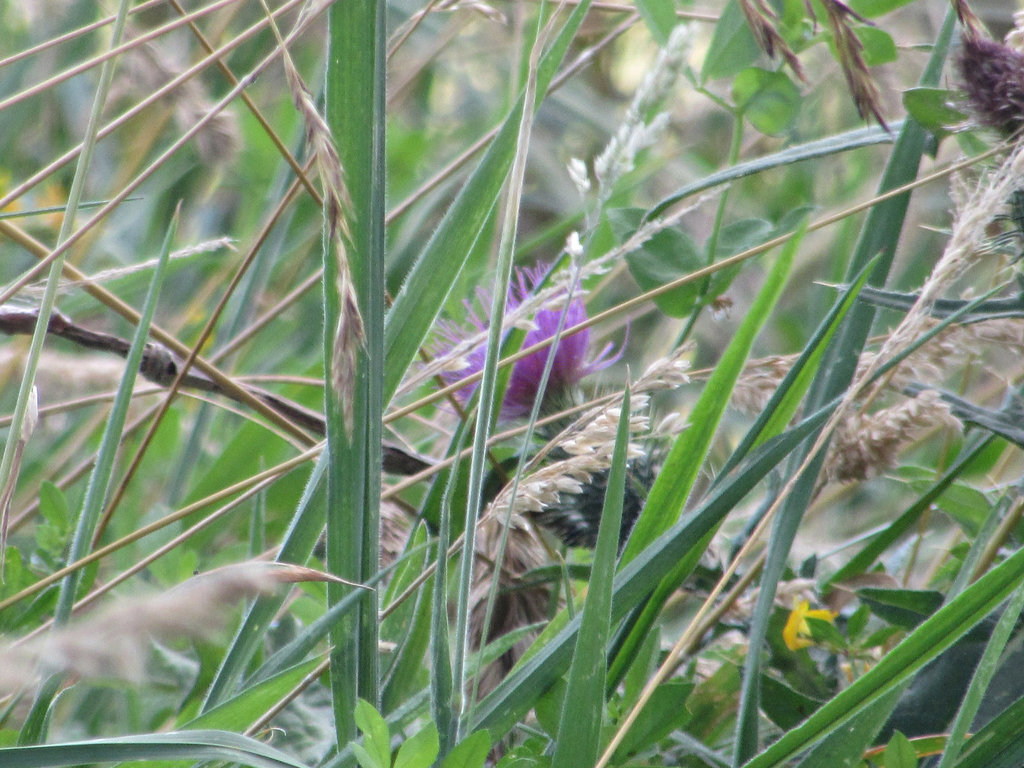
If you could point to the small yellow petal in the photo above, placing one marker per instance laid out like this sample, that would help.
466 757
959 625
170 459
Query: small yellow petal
797 633
796 629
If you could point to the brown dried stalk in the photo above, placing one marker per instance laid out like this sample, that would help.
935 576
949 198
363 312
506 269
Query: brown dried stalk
161 366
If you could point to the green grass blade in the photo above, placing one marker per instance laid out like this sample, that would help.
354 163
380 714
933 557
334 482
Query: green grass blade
356 116
675 480
579 734
878 240
99 484
1000 744
983 675
683 463
26 390
241 711
871 551
185 745
831 145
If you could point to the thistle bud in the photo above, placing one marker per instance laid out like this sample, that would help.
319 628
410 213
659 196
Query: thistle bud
992 78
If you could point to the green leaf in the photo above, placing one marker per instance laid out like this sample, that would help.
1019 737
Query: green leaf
900 753
832 145
659 16
376 736
364 758
552 652
732 46
879 47
769 100
303 531
667 256
54 505
871 8
471 752
933 108
1000 744
665 712
903 607
419 750
785 706
863 560
423 293
243 709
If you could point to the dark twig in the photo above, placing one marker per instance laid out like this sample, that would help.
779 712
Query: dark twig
160 365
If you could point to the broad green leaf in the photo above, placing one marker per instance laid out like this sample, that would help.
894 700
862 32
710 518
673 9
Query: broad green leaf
768 99
925 643
471 752
900 753
904 607
934 108
419 750
785 706
667 256
376 735
659 16
879 47
732 47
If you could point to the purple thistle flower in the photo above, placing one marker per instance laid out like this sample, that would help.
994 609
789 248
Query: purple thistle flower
570 364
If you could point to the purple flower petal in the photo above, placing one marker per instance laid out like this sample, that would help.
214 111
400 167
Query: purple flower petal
570 364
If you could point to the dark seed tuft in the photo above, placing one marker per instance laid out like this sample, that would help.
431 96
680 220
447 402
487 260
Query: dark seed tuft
992 77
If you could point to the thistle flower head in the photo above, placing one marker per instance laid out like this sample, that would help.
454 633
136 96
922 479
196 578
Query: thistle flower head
992 78
571 362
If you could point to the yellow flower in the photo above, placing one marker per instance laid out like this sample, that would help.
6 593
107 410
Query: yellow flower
797 633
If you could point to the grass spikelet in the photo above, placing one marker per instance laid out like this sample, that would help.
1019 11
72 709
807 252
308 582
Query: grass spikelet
862 87
866 444
350 334
762 19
